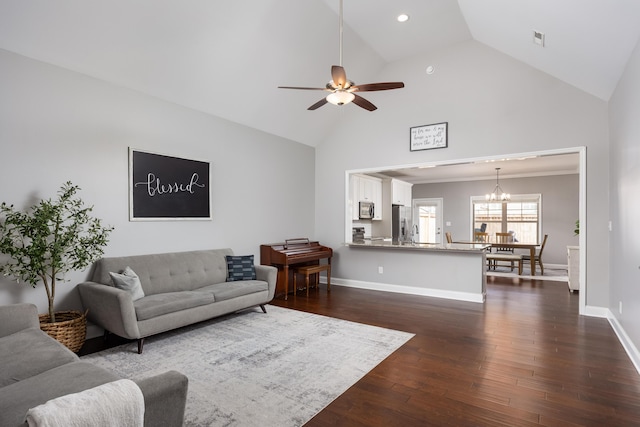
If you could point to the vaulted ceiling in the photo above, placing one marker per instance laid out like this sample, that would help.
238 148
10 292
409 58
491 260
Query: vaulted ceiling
227 58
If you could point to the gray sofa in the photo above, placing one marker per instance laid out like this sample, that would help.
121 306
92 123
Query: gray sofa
180 288
36 368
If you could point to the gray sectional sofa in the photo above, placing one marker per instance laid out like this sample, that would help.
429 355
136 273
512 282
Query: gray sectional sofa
35 368
179 289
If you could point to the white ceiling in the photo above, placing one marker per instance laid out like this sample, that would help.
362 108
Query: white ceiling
227 58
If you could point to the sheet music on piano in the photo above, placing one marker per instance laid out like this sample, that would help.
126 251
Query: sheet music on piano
292 252
298 241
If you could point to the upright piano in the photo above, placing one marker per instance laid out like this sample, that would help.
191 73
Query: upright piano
296 252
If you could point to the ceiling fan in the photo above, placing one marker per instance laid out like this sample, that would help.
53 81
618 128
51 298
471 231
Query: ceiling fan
342 91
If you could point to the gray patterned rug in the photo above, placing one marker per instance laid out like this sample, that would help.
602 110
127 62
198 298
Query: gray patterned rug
248 369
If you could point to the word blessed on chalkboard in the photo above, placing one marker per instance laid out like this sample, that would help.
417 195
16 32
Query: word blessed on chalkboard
157 188
165 187
429 136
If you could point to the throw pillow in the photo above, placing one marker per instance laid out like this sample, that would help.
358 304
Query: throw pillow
240 267
129 281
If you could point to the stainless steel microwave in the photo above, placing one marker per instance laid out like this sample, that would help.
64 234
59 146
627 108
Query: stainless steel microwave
366 210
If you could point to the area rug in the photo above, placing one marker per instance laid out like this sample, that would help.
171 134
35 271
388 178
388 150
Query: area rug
250 368
551 272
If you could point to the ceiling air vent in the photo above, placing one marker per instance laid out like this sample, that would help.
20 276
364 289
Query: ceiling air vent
538 38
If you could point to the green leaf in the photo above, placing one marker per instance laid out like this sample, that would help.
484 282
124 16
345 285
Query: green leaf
49 239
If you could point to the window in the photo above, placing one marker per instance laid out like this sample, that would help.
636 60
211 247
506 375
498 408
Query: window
520 215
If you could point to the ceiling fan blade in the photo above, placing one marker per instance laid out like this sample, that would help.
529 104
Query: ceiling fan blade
377 86
303 88
361 102
338 75
318 104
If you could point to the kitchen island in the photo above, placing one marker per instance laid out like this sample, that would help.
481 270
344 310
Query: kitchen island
453 271
449 247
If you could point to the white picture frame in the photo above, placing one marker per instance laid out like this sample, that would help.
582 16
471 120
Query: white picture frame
429 137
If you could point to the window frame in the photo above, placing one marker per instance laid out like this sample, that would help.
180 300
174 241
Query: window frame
522 198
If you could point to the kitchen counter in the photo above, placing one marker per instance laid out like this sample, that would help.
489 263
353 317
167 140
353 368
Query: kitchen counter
454 271
448 247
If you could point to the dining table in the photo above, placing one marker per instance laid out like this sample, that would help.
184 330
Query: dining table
517 245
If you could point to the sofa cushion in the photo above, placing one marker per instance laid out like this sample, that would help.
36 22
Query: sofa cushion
30 352
169 302
240 267
16 399
129 281
229 290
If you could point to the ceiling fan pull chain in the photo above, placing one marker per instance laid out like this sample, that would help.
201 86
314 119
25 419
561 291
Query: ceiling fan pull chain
341 26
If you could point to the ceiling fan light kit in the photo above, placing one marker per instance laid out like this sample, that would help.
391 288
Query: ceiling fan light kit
340 97
342 90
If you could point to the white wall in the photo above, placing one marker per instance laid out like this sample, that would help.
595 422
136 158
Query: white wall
624 110
57 125
494 105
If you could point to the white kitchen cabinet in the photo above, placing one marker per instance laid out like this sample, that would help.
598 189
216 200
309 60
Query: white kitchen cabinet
365 189
354 195
376 196
400 192
573 262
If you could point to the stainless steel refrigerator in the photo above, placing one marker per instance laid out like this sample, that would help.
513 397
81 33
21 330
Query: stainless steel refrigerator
400 224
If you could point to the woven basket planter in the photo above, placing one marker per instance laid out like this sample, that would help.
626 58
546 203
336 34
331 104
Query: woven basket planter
70 328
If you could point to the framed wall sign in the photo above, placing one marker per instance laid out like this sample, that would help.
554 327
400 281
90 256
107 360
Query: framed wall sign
164 187
428 137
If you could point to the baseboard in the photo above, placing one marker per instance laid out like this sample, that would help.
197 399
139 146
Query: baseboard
556 266
629 347
411 290
594 311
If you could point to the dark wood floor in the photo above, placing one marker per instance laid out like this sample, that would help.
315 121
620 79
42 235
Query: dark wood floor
523 358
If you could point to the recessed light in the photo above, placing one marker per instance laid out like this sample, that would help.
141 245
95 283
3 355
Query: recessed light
430 69
403 17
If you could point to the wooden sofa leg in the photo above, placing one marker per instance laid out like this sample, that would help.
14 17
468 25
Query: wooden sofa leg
140 345
264 310
106 335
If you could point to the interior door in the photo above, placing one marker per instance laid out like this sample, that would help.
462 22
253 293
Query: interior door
427 215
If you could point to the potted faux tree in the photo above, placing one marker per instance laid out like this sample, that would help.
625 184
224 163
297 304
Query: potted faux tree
45 242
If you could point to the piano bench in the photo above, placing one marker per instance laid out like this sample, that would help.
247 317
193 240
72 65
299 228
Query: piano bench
308 270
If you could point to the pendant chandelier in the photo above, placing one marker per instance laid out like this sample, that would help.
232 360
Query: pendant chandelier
498 194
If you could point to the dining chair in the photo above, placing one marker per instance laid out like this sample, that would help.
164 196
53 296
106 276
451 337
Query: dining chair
538 257
449 238
479 236
503 238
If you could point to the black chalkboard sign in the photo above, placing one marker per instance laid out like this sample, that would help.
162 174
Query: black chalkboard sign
164 187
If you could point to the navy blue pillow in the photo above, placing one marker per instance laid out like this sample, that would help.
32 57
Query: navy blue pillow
240 267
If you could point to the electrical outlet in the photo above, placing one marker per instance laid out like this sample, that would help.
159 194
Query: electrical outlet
620 307
380 270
